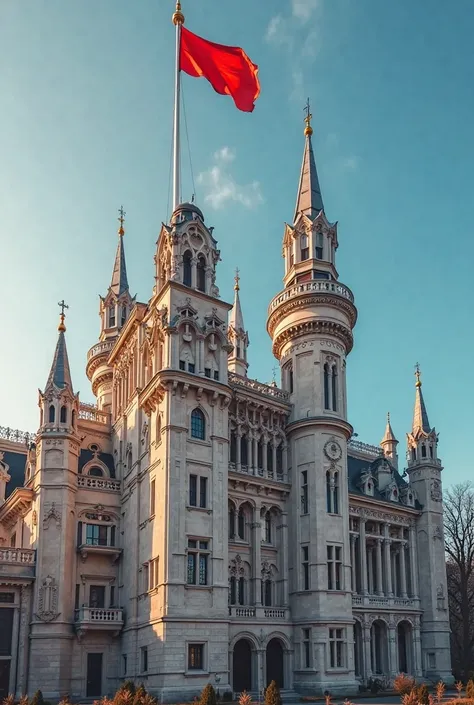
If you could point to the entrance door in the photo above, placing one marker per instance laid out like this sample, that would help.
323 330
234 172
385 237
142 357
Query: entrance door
242 666
4 678
94 675
275 662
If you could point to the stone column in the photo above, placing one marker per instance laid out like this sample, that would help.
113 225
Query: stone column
403 569
413 561
284 557
249 453
274 457
257 556
367 665
370 563
285 462
394 572
255 455
379 567
265 457
238 440
363 557
416 651
392 654
388 562
193 272
353 563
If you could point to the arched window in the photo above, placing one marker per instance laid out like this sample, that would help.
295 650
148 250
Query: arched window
319 245
328 492
270 467
431 451
289 377
96 472
304 247
51 414
201 273
241 524
187 277
268 528
63 414
279 460
112 316
243 451
334 388
326 386
233 447
231 522
413 454
198 425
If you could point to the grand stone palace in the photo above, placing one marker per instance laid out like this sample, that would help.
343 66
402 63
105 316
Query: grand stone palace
195 525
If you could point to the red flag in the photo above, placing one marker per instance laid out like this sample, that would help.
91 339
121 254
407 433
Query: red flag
228 69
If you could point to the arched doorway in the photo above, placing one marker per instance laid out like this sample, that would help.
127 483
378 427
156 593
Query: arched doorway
358 650
404 647
242 666
275 662
378 648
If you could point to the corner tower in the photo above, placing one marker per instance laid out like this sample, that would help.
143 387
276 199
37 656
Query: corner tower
310 323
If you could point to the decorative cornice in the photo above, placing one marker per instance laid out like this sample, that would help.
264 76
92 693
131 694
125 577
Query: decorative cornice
336 330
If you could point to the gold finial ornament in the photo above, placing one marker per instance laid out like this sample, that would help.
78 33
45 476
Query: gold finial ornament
236 279
121 220
62 316
178 17
417 375
308 130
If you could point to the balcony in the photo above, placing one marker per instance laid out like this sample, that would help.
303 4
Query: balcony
278 476
17 563
89 412
95 549
259 613
319 286
98 483
381 602
95 619
100 349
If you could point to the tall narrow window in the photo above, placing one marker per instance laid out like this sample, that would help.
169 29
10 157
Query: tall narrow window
423 450
152 497
51 414
334 388
63 414
267 593
233 447
241 524
201 273
319 245
304 247
306 648
193 490
187 277
326 386
289 377
305 566
270 467
203 492
197 562
198 425
334 554
241 594
112 316
304 492
123 315
233 590
243 451
268 528
335 493
231 522
328 493
336 648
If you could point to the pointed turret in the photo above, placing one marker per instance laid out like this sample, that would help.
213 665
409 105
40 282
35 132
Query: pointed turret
238 336
423 440
58 403
119 283
389 444
309 199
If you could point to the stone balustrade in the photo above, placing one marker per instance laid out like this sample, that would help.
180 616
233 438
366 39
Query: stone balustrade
98 483
99 615
104 347
312 287
384 602
16 436
22 556
270 613
254 385
258 472
89 412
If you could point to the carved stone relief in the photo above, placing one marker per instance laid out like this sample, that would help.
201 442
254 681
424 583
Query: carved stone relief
48 600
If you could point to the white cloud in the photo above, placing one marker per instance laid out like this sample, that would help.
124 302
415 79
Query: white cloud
350 163
221 187
304 9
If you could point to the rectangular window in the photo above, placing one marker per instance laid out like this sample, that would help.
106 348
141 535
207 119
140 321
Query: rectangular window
306 648
112 596
304 492
193 490
304 253
182 365
112 536
191 367
145 579
124 664
97 596
197 565
96 535
144 659
305 565
111 316
152 497
13 541
195 657
153 574
203 492
207 371
431 660
319 246
233 590
334 554
216 375
336 648
77 597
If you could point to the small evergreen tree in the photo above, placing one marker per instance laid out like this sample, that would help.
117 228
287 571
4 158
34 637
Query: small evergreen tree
272 694
129 686
423 695
470 689
37 698
208 696
139 696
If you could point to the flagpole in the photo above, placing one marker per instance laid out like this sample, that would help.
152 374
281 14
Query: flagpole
178 21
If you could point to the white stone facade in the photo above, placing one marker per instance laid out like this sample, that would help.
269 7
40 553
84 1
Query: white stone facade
199 526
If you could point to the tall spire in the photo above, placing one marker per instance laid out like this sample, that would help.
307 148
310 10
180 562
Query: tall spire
389 434
420 415
119 282
60 374
309 199
236 320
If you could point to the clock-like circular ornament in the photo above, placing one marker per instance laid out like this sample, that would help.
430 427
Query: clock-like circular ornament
332 450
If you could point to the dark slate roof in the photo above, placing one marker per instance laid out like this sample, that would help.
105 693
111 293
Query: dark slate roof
60 374
356 466
119 282
420 415
17 467
309 199
87 455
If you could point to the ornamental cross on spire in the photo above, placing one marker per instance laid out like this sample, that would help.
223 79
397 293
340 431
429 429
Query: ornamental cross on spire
62 306
237 279
121 220
417 374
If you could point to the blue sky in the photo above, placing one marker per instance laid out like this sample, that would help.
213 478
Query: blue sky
86 91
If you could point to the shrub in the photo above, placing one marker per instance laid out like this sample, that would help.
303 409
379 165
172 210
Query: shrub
272 694
208 696
37 698
245 698
459 701
9 700
403 684
440 688
459 687
470 689
23 700
139 696
149 700
128 686
410 698
422 694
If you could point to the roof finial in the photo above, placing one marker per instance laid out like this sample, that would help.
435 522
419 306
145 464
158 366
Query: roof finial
178 17
121 220
308 130
417 375
237 279
388 416
62 316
